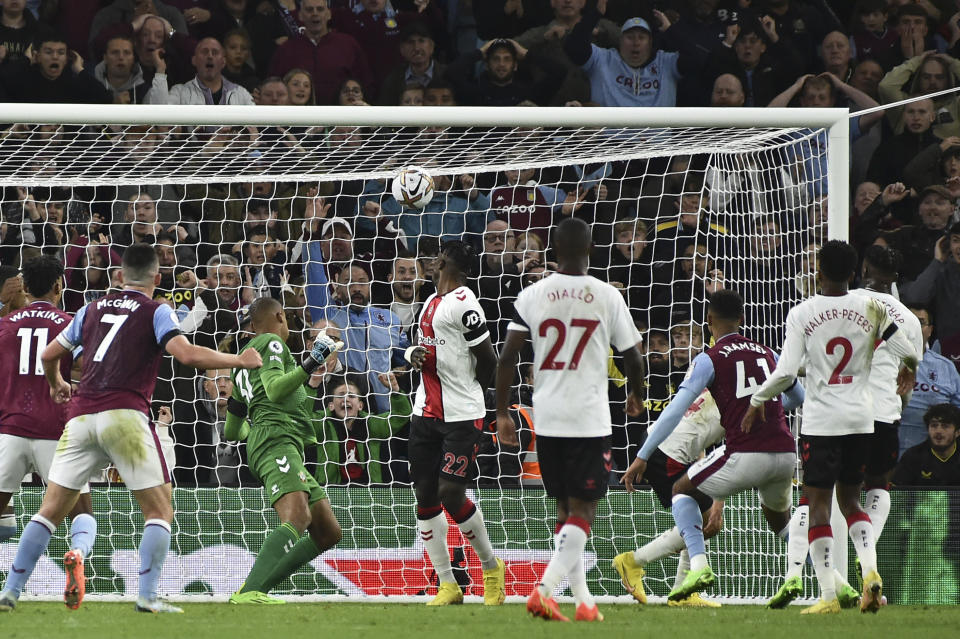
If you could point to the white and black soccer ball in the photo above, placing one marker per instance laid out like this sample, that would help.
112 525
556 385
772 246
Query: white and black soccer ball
413 187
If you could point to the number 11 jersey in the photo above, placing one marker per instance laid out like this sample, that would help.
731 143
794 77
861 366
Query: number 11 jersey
572 321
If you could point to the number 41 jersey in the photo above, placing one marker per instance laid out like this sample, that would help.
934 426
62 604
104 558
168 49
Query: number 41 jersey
573 320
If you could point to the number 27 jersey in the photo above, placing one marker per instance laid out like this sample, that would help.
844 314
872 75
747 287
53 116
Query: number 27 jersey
573 320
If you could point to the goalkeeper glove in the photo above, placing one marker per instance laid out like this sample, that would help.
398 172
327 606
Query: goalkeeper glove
324 347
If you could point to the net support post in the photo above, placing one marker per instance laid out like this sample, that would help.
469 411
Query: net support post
838 180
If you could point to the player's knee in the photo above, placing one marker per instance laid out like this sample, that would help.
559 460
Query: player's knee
451 495
300 519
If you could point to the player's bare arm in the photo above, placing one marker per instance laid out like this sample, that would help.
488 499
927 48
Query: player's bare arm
634 474
633 362
506 369
486 362
60 388
203 358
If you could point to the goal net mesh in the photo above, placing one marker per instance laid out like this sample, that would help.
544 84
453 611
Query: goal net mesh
238 212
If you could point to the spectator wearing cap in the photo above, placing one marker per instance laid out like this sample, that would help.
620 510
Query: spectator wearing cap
938 163
501 84
917 241
374 339
53 75
330 57
12 297
548 40
120 73
893 154
636 73
922 75
207 87
419 67
377 26
753 51
939 283
935 462
17 30
325 248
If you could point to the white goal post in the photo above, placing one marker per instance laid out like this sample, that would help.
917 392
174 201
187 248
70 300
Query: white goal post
762 180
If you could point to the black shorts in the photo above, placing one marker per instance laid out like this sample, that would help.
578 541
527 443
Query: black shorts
443 449
831 459
884 448
662 473
575 466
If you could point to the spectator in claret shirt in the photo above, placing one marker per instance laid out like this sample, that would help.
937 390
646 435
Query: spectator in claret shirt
501 84
328 56
871 37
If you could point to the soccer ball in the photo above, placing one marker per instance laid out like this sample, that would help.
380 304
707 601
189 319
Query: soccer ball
413 187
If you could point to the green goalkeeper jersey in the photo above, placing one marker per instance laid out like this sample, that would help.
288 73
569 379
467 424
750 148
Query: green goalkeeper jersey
277 402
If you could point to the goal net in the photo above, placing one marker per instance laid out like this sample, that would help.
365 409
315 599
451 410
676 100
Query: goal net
295 203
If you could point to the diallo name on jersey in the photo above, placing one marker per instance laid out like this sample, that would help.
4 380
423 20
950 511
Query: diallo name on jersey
580 294
831 314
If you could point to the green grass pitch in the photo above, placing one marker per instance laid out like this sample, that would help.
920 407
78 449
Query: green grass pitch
35 620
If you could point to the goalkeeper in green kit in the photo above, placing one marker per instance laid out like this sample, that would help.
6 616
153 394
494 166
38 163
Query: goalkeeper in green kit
270 408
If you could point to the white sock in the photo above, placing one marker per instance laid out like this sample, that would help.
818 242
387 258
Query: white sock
433 533
682 567
475 532
862 535
698 561
798 543
571 541
578 583
821 551
665 544
878 507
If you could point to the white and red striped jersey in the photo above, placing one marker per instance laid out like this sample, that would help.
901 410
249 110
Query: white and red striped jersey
572 321
449 325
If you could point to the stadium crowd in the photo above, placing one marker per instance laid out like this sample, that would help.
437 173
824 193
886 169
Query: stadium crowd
347 258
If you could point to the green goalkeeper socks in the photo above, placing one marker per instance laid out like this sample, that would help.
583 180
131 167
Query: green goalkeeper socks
305 550
276 548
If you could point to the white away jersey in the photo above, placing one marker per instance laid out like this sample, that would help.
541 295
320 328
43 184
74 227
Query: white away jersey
573 320
887 405
449 325
835 336
699 428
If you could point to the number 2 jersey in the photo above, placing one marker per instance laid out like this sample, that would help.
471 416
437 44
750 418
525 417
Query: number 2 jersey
834 337
26 408
573 320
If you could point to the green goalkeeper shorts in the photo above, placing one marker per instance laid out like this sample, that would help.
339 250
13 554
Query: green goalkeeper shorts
279 466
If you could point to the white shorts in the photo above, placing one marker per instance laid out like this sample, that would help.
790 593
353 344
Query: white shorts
720 475
22 455
141 452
